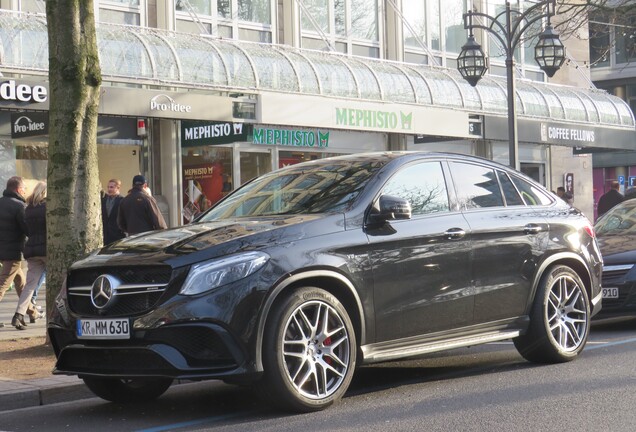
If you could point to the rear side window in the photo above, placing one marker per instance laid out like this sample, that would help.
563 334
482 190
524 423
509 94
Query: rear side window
476 186
422 185
531 194
509 190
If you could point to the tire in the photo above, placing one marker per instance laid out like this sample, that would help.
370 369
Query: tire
559 319
128 390
309 351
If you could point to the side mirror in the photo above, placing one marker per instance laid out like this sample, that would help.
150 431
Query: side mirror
391 208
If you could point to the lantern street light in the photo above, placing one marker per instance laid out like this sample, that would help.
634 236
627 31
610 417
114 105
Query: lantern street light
549 53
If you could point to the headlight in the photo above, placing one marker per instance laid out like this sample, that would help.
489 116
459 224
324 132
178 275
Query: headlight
218 272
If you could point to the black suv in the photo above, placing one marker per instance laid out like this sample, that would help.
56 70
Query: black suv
303 273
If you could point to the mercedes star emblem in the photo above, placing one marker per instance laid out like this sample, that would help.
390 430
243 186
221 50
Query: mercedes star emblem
103 291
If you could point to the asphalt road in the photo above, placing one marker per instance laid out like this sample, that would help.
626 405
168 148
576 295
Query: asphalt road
486 388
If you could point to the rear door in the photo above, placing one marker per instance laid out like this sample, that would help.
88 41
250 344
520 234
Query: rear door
421 266
508 238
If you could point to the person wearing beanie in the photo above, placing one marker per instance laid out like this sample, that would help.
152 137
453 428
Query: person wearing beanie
138 211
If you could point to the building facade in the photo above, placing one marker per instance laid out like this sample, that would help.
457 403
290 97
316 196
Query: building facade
613 68
202 95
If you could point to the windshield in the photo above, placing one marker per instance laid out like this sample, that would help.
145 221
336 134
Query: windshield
315 187
619 220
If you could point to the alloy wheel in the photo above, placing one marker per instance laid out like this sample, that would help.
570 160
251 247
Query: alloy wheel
316 349
566 313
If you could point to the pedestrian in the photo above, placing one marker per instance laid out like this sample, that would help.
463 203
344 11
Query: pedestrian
13 233
610 199
564 195
138 211
110 211
35 254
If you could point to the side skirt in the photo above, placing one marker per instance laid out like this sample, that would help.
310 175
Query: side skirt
385 351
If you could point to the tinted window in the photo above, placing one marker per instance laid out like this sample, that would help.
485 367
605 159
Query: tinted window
620 220
476 186
305 188
422 185
509 190
531 194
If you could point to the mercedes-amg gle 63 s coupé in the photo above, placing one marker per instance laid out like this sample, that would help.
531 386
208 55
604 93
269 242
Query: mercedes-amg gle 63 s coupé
294 279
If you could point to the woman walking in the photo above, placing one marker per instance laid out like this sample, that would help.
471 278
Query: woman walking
35 254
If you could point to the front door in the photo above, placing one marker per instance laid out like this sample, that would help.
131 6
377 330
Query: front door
421 266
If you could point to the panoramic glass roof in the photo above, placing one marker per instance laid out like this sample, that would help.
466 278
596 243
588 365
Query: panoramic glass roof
159 57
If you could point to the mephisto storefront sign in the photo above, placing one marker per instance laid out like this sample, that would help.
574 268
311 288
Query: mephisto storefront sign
212 133
335 113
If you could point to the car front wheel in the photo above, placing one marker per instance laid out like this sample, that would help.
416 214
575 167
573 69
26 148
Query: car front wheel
559 319
128 390
309 351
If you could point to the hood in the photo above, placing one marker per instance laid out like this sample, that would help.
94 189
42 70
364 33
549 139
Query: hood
199 241
618 249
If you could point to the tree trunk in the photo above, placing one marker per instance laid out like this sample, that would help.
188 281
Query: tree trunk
74 225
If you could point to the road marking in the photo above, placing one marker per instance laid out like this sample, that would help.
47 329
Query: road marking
608 344
193 422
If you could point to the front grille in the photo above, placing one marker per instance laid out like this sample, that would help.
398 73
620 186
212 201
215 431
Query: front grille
139 290
153 275
128 305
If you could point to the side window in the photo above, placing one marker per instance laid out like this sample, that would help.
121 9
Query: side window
510 193
422 185
477 186
531 194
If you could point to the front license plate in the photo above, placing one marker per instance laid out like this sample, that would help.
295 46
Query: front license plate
103 328
610 293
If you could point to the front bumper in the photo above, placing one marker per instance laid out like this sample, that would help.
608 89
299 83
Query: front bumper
187 351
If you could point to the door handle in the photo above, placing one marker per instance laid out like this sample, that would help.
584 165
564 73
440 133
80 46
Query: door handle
454 233
532 229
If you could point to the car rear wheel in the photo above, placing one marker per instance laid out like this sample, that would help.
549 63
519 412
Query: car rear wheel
559 320
128 390
309 351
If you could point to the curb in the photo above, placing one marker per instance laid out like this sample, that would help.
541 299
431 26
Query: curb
24 394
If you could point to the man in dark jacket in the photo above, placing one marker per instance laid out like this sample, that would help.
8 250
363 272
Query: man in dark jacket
110 211
610 199
138 211
13 233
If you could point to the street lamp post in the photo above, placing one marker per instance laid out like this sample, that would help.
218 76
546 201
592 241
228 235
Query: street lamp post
549 53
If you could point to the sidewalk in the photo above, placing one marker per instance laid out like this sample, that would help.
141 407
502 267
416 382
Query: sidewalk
43 391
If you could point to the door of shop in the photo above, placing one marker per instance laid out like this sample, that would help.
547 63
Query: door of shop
254 164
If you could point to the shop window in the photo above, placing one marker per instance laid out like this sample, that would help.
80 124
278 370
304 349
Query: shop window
286 158
207 177
254 164
31 160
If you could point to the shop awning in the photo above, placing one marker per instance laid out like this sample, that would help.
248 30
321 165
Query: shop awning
158 57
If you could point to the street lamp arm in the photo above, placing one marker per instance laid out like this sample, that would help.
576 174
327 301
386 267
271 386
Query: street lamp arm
496 28
518 32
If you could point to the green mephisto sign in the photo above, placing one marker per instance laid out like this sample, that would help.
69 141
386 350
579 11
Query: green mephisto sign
374 119
290 137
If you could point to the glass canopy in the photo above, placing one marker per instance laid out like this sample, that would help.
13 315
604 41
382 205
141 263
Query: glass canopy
158 57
